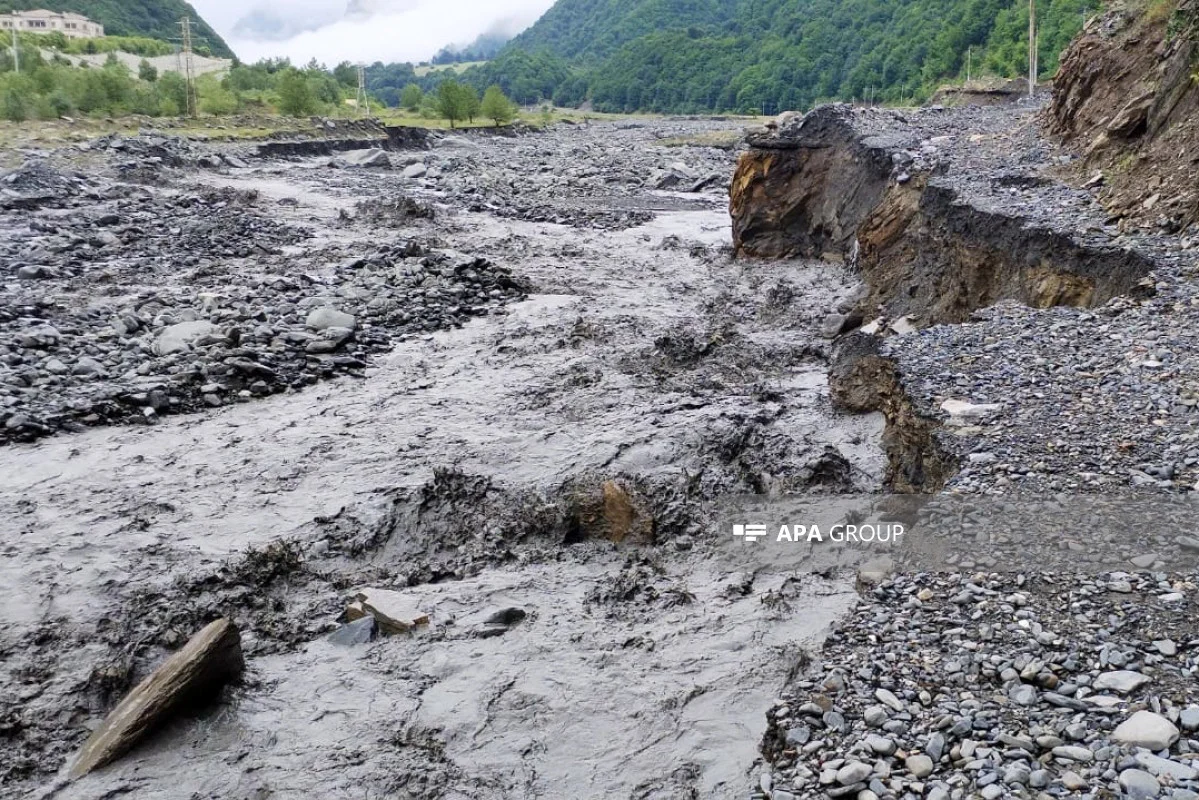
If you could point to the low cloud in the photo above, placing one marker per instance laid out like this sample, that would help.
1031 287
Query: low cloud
332 31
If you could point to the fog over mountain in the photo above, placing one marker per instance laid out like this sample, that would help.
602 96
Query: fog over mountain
362 30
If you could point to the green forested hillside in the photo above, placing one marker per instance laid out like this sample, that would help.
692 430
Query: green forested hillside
157 19
767 55
589 30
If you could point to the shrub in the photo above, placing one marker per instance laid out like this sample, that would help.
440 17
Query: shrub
215 98
296 98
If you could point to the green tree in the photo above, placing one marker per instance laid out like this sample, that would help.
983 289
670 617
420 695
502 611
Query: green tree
411 97
496 106
61 103
471 98
147 71
296 98
346 74
456 101
172 94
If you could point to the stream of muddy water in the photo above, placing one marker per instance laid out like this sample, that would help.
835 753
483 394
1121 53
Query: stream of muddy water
643 357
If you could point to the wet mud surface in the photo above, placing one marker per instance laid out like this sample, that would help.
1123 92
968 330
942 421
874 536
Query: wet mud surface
475 451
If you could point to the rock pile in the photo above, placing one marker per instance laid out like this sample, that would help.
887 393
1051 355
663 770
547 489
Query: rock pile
989 685
568 176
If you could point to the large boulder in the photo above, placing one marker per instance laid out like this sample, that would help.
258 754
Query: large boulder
328 317
178 338
371 157
1146 729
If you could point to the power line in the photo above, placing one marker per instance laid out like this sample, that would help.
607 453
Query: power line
189 66
1032 47
363 102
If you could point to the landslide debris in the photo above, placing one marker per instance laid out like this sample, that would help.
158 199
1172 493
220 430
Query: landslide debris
1127 99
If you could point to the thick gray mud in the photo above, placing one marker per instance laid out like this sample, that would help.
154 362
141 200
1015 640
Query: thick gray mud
454 469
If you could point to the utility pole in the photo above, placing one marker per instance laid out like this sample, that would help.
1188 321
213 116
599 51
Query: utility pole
969 62
1032 47
363 102
16 52
189 66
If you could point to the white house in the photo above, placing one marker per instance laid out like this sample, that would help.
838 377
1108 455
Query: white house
68 23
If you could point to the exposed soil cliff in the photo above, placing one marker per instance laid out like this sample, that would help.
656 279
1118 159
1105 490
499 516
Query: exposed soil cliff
1127 97
932 210
862 380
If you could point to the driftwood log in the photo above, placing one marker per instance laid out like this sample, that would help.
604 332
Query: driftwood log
193 675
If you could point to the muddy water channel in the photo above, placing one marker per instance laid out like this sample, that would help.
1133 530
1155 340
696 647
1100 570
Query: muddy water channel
473 469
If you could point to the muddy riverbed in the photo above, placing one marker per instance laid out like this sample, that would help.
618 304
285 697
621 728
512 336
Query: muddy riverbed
539 336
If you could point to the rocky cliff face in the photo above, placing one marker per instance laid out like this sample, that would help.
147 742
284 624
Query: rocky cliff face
1126 98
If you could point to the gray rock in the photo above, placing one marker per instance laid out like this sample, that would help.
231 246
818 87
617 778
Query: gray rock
889 699
1139 785
328 317
1023 695
1160 767
1073 781
1073 752
86 365
882 745
1122 681
178 338
920 766
415 171
935 747
799 735
853 772
506 616
1189 718
360 631
875 716
832 326
1146 729
371 157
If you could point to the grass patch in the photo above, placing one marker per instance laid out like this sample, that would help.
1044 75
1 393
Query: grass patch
454 69
725 140
1157 11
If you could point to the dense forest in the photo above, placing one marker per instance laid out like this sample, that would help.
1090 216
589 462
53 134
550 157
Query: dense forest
762 56
156 19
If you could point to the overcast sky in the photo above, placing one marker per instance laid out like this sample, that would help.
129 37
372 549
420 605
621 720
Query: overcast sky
360 30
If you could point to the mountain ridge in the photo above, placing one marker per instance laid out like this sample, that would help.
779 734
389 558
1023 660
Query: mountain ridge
763 56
